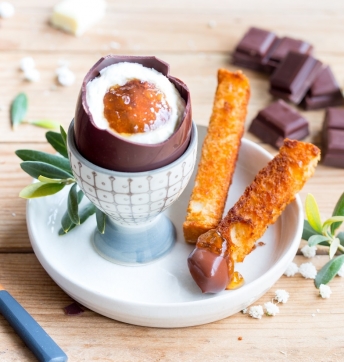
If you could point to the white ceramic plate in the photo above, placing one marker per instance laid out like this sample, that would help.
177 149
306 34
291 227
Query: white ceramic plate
161 294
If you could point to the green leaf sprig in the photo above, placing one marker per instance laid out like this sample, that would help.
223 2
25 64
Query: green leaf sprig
318 233
19 108
53 173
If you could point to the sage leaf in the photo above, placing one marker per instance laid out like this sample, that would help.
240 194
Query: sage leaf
101 219
317 239
40 189
330 221
334 247
329 271
73 205
19 108
66 222
37 168
45 123
63 135
312 213
338 211
56 140
55 160
308 231
84 214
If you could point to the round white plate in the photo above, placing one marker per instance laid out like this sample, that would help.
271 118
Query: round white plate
161 294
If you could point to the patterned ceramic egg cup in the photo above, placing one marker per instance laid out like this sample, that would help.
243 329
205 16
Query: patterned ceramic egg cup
136 232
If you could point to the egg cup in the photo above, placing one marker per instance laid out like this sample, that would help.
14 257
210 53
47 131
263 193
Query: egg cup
136 232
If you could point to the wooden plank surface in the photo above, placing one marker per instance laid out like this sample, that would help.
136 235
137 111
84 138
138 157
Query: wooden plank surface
196 38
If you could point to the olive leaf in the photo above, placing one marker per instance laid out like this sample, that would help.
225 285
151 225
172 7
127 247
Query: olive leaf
84 214
44 123
312 213
73 205
338 211
52 180
40 189
329 271
101 219
330 222
19 108
56 140
37 168
340 236
308 231
66 222
64 136
333 247
55 160
317 239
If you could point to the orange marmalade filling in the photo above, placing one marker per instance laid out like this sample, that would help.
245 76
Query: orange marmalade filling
135 107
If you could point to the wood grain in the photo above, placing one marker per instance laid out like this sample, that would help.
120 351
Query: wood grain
196 38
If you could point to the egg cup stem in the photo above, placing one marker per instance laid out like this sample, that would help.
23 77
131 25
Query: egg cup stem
135 245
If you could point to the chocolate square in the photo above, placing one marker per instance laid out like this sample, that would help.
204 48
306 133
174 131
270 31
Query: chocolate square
333 137
324 92
334 118
279 121
294 76
283 47
252 50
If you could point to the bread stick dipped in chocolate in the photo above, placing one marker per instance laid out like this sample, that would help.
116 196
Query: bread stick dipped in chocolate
211 264
219 154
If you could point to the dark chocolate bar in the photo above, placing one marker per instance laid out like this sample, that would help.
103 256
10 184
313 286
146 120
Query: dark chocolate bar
279 121
333 137
282 47
253 48
295 75
324 92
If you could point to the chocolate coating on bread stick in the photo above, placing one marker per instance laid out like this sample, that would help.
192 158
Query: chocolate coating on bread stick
209 271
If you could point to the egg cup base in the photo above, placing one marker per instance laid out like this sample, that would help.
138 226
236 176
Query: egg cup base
135 246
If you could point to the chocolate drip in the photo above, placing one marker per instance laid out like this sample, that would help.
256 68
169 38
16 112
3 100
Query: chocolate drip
210 264
209 271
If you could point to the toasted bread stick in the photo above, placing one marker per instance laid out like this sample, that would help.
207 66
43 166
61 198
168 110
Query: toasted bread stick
219 154
273 188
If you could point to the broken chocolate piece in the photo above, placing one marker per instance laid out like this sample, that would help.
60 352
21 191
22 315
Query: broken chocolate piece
333 137
324 92
283 47
295 75
279 121
253 48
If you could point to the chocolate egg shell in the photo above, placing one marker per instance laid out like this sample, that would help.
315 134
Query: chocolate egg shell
105 149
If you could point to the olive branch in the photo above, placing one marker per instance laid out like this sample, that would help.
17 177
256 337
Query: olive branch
318 233
53 173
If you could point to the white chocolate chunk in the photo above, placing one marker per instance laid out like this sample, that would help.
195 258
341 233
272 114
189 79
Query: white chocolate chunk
77 16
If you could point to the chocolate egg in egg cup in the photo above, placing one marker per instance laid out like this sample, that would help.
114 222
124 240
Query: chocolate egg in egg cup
132 148
131 115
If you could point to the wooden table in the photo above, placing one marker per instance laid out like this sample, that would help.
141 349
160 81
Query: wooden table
196 38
